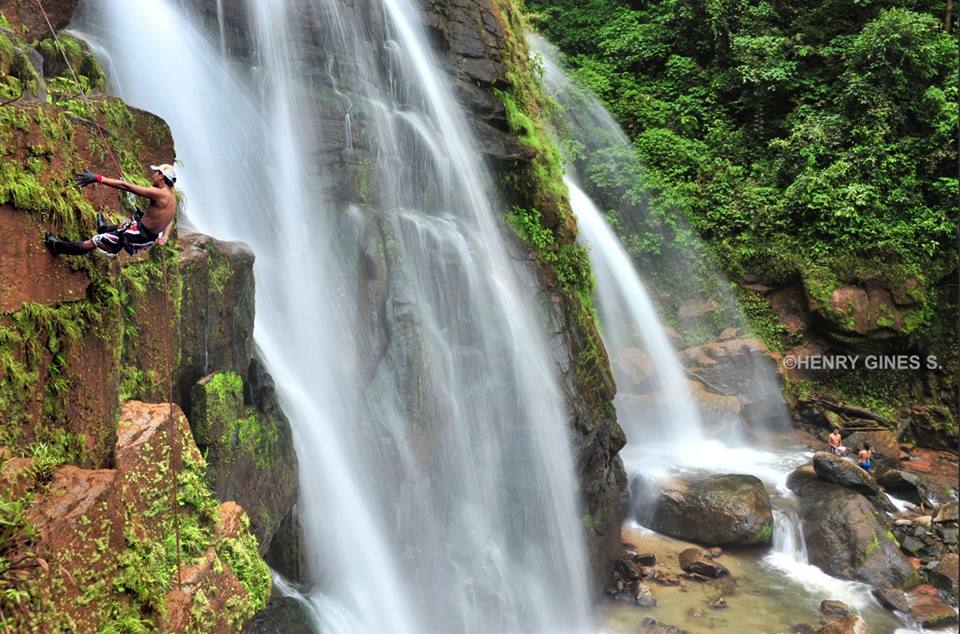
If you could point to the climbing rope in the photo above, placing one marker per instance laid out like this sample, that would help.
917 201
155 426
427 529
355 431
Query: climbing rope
76 79
175 453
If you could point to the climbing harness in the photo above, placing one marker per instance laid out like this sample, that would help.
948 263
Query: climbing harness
175 452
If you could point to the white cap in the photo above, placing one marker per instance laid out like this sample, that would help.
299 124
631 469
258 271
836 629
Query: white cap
167 170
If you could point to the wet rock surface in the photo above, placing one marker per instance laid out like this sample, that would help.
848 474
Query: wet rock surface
744 369
715 509
693 561
283 614
846 535
830 468
944 575
217 310
928 609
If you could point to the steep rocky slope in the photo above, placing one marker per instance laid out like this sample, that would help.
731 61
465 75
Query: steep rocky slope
86 487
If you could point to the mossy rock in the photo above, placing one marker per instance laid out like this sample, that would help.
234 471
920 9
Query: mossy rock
249 450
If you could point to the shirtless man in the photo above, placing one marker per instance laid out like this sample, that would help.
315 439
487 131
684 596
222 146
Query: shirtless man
865 457
147 228
836 443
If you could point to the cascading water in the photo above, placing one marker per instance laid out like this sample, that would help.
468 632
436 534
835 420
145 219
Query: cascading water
437 490
612 161
629 318
669 438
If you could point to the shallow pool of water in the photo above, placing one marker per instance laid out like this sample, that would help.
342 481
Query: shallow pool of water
761 597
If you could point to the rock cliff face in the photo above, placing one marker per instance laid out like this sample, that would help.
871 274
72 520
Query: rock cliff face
87 498
481 44
102 550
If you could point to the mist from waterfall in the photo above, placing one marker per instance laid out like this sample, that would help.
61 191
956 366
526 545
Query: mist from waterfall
628 319
585 122
437 488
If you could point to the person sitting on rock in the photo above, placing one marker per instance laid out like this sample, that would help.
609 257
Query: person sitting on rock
145 229
836 443
865 457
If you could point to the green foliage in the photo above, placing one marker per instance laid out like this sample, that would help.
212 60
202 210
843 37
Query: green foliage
811 143
81 61
227 428
241 556
788 134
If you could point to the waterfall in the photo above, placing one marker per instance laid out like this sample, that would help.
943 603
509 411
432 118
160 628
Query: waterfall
586 123
437 488
628 318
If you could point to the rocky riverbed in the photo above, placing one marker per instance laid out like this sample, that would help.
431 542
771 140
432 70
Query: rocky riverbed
756 596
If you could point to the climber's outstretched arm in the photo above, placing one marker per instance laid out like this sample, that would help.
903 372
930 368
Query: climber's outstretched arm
88 178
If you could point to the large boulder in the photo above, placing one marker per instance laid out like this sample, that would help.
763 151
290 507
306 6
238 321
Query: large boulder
830 468
904 485
730 367
741 368
846 536
883 442
714 509
693 561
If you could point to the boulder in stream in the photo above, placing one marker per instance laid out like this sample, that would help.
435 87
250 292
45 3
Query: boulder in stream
945 574
845 534
714 509
929 610
892 598
833 469
692 561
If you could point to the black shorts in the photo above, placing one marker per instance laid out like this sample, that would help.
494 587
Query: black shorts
129 236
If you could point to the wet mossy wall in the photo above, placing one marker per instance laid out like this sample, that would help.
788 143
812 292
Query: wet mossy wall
77 337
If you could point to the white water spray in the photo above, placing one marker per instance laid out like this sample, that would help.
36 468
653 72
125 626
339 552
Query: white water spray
437 490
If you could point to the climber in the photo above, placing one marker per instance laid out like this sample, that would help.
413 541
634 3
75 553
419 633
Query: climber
145 229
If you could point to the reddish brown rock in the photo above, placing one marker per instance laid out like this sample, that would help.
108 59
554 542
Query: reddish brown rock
790 305
16 476
24 15
200 600
29 272
79 534
143 455
928 609
231 520
882 441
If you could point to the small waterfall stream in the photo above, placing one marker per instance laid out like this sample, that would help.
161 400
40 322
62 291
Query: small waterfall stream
629 318
437 488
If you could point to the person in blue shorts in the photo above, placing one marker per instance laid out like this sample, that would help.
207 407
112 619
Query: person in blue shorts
865 458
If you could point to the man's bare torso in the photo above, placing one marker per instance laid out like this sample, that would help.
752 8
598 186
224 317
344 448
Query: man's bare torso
160 212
